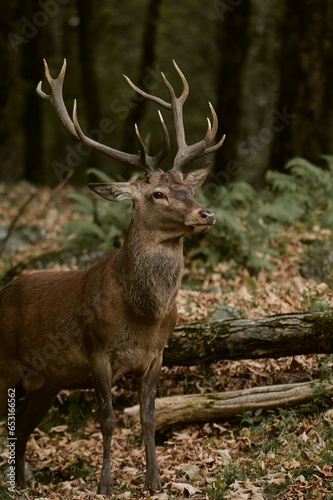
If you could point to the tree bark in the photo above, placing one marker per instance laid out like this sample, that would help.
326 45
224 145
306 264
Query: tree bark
89 79
196 408
147 60
250 338
31 73
10 134
232 32
87 63
303 83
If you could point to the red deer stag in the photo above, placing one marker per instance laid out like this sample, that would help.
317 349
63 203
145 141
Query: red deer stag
80 329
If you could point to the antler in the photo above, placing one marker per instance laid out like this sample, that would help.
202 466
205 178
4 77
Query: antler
149 164
185 153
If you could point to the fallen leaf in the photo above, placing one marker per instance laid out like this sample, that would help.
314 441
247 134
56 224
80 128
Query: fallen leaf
257 496
59 428
225 457
191 490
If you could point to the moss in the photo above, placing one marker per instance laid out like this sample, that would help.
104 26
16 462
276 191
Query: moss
4 494
322 323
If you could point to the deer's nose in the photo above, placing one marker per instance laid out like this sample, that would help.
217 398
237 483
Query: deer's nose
207 216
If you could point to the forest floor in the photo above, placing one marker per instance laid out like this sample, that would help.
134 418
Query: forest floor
281 454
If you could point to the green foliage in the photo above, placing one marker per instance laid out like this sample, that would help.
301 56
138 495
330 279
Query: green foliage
107 225
304 194
73 411
4 493
324 369
248 224
239 234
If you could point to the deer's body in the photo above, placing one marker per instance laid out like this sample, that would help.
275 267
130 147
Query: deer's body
75 325
81 329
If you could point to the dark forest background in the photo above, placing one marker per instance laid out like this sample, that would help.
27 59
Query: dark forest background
266 67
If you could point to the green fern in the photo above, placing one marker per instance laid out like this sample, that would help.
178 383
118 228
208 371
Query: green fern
82 202
329 160
247 224
241 195
85 228
305 171
280 182
106 226
102 176
255 264
285 210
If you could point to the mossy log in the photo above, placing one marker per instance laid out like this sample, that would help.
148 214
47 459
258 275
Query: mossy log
195 408
250 338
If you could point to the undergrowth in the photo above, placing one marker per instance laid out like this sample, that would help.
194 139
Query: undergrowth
286 451
248 223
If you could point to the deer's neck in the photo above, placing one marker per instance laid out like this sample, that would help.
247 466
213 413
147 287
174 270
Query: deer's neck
151 271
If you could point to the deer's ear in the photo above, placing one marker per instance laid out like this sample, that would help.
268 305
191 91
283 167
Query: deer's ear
115 191
197 177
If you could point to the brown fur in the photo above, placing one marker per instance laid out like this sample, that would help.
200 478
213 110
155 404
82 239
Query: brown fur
90 327
87 328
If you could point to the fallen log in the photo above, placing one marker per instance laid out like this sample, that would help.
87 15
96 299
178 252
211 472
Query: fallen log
250 338
195 408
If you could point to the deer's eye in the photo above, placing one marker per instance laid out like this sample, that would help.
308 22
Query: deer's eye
158 194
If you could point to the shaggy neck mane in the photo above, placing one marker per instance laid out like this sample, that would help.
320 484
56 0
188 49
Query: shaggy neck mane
151 272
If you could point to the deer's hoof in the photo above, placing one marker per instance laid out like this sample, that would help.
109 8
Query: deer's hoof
152 485
105 488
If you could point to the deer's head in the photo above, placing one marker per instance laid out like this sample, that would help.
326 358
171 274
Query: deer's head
163 201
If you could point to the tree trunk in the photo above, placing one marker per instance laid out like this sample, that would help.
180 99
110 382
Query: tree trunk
303 83
31 73
147 61
87 63
328 97
88 78
250 338
10 46
196 408
232 45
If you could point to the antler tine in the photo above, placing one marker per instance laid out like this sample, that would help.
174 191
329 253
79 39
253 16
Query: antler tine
113 153
177 111
215 147
145 159
143 151
153 98
166 149
153 162
185 153
211 133
186 87
149 164
213 130
56 98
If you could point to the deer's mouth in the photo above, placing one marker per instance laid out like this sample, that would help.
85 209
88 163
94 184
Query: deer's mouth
200 228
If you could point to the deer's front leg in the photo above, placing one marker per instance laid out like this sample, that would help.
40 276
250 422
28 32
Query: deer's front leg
147 392
102 376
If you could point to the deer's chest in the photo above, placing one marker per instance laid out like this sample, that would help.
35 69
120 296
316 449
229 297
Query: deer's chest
154 285
136 348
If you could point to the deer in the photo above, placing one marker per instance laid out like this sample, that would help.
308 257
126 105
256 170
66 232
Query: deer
86 328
